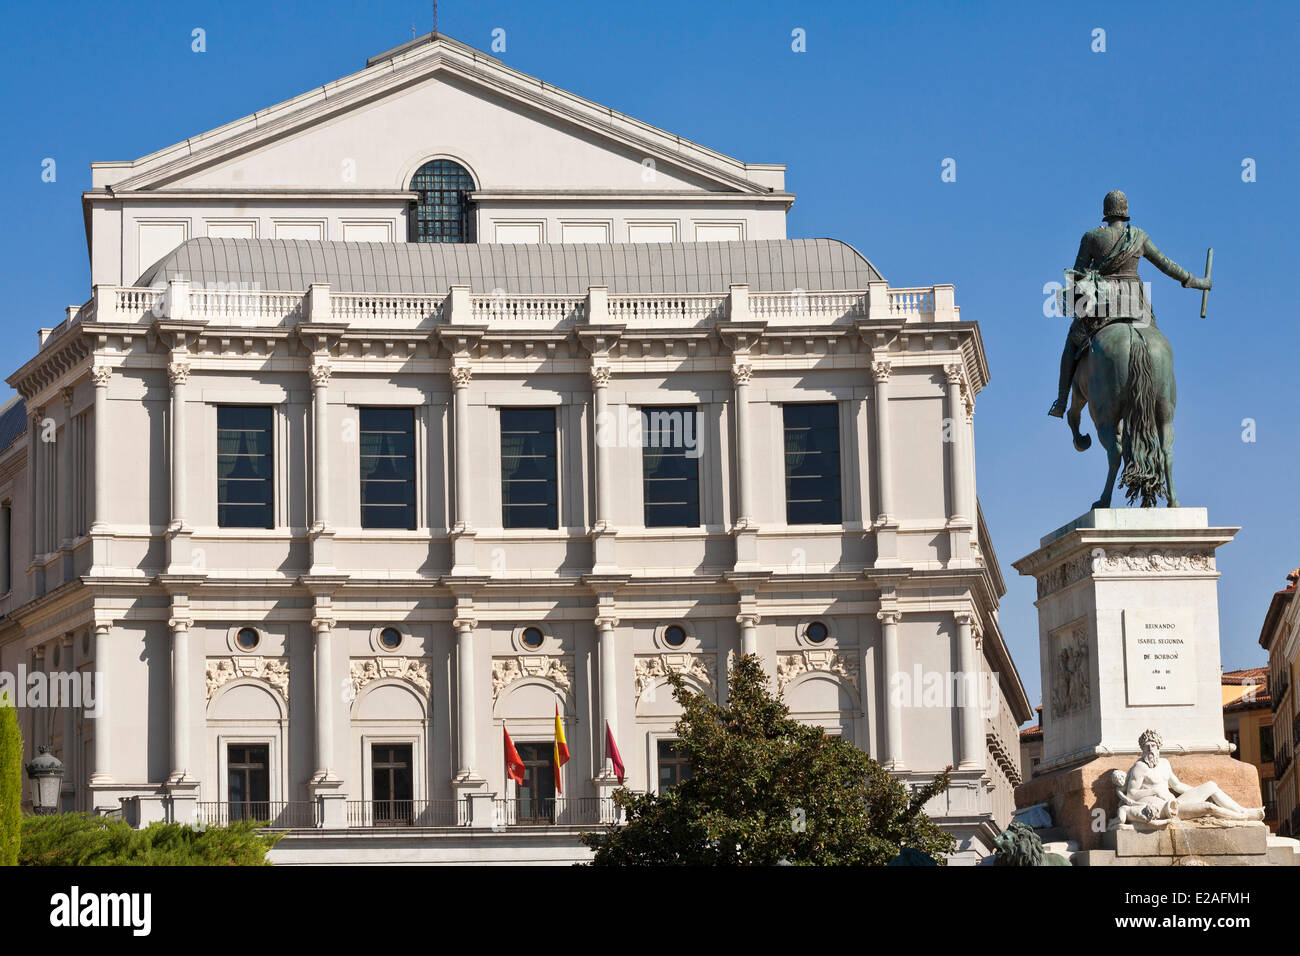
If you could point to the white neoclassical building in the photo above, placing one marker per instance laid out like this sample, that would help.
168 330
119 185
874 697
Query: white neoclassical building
438 400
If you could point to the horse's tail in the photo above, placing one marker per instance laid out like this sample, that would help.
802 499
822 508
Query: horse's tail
1142 450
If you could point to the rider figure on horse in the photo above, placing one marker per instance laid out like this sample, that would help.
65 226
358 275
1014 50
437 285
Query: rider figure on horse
1106 284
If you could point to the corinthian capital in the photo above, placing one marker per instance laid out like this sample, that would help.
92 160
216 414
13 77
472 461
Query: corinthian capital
953 373
320 375
178 373
881 371
599 376
741 373
460 375
100 375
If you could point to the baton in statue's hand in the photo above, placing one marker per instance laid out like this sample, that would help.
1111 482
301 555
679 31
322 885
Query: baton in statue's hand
1205 293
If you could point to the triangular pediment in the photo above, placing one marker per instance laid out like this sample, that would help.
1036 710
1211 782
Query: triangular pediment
439 98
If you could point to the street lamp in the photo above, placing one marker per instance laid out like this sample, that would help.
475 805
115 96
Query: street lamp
46 775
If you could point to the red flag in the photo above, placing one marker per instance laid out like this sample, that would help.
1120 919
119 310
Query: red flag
561 749
611 751
514 765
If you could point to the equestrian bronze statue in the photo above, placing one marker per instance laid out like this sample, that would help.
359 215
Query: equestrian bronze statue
1118 361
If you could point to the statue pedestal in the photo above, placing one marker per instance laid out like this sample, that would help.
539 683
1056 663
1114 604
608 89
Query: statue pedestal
1201 842
1128 634
1083 801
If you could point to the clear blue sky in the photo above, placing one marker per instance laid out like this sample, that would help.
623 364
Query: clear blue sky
1039 125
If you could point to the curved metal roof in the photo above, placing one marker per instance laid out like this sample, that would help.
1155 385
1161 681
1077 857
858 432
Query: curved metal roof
770 265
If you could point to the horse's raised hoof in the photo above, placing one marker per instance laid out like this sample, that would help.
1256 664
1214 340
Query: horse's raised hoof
1058 408
1083 443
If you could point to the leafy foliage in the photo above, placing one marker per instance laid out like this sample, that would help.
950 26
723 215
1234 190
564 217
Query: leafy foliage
11 783
78 839
766 789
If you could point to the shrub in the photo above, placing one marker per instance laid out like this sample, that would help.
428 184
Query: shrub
78 839
11 783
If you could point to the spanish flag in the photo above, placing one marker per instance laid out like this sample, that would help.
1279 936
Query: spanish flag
561 749
514 765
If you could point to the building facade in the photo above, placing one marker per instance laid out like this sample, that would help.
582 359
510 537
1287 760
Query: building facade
1248 725
326 494
1280 636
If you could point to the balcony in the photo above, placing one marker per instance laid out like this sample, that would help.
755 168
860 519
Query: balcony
553 811
407 813
272 814
252 308
413 814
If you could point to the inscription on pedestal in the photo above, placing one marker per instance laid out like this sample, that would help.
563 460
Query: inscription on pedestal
1159 656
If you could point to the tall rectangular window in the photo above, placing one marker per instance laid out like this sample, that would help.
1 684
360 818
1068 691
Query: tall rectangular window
670 467
248 782
674 764
528 485
388 468
812 464
245 465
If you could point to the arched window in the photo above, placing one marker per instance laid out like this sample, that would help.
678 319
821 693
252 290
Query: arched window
442 212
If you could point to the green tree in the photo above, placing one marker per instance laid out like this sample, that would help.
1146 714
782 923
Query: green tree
764 789
11 782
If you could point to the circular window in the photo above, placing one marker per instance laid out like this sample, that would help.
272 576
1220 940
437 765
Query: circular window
248 638
674 635
817 632
532 637
390 638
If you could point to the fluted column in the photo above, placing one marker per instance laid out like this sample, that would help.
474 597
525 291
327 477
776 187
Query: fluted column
741 373
36 483
63 480
100 376
884 447
70 757
467 739
968 709
608 688
320 382
102 772
460 379
178 374
180 740
893 710
956 432
600 375
325 690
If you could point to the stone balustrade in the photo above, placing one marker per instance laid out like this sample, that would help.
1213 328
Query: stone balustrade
254 308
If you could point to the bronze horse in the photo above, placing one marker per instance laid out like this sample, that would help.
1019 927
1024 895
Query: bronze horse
1126 378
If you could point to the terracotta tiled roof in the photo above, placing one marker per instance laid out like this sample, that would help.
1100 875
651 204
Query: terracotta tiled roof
1256 675
1035 732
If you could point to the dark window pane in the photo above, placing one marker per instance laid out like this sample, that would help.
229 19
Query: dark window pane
528 468
442 213
674 764
388 468
812 464
245 466
670 467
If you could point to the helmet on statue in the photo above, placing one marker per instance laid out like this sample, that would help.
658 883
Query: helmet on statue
1115 206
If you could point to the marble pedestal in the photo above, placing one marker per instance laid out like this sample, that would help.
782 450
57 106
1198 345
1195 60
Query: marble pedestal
1128 630
1082 799
1200 842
